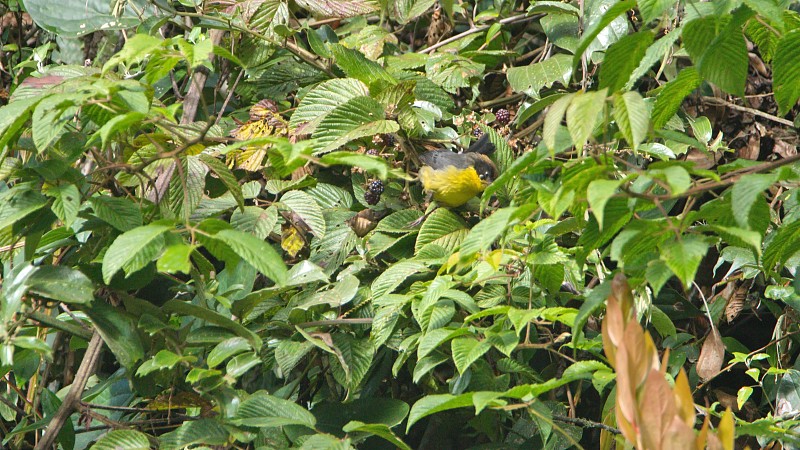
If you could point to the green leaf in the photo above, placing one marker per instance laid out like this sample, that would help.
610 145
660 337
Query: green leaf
309 210
466 351
356 65
488 230
18 202
188 309
597 193
671 96
370 164
745 193
394 276
134 249
61 283
13 117
122 440
210 432
175 259
323 99
583 113
358 117
226 349
452 72
76 18
622 58
532 78
432 404
443 228
786 71
255 252
263 410
632 116
118 331
225 176
120 213
683 256
66 201
655 53
552 120
653 9
589 36
784 244
719 51
377 429
116 125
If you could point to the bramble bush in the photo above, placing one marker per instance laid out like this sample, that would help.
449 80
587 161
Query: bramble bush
205 224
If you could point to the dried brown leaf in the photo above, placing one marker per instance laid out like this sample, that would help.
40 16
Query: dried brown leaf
712 355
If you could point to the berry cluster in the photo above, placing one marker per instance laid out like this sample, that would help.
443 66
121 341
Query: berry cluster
373 192
503 116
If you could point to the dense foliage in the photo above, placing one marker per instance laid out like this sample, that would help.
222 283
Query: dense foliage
208 237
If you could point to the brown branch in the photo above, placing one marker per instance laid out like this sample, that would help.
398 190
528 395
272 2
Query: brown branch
586 423
72 399
721 102
354 321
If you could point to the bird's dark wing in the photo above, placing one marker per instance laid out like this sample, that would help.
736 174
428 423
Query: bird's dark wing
483 146
440 159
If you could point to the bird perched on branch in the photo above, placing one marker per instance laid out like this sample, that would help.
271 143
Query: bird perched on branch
454 178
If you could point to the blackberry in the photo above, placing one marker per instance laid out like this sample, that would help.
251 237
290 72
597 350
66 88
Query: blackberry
477 132
388 139
373 152
503 116
372 198
376 187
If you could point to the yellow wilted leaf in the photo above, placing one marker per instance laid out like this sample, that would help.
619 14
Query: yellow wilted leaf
725 430
684 399
292 241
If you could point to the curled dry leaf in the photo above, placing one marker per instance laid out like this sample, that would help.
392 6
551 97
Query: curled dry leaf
712 355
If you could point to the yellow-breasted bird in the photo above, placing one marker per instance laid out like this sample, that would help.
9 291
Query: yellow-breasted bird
454 178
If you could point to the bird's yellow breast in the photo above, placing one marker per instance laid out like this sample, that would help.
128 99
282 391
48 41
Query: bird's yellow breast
451 186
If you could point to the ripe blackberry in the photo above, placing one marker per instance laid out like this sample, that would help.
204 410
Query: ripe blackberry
388 139
375 186
477 132
503 116
372 198
373 152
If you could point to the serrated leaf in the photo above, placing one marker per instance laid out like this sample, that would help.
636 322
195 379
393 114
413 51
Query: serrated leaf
451 72
255 252
371 164
532 78
61 283
745 193
356 65
786 71
652 9
654 54
12 118
309 210
552 120
66 202
225 176
622 58
589 36
358 117
134 249
466 351
719 51
289 353
783 245
632 116
226 349
441 226
583 113
339 8
683 256
597 193
120 213
323 99
18 202
204 431
394 276
122 440
432 404
671 96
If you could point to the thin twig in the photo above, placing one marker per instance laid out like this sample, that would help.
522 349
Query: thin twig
513 19
586 423
353 321
755 112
